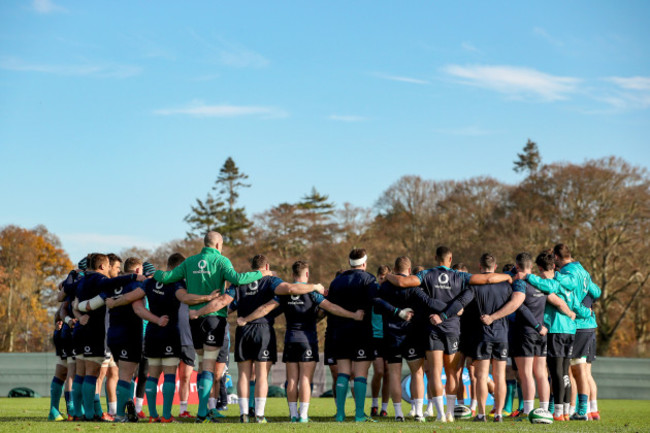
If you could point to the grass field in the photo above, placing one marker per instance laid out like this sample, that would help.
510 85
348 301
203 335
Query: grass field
29 415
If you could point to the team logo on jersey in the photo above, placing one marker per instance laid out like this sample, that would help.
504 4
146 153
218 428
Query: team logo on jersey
159 285
252 288
443 278
202 265
295 297
124 352
118 291
210 337
168 349
87 349
308 353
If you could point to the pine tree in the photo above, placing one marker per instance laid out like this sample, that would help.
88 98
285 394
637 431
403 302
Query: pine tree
529 160
204 216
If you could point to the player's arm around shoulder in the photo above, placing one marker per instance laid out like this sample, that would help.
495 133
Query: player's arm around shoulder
259 312
228 272
176 274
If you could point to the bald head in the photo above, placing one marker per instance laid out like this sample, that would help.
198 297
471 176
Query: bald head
213 240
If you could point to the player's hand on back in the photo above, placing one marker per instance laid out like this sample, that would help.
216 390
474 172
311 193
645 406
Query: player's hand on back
486 319
194 315
319 288
266 273
543 331
163 321
406 314
572 315
241 321
435 319
84 319
358 315
110 302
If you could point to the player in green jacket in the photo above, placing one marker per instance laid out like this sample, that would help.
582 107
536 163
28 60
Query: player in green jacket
206 273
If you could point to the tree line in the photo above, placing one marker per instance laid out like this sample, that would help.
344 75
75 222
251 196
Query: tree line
600 208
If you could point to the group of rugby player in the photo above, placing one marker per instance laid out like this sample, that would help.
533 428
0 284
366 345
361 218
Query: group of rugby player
434 319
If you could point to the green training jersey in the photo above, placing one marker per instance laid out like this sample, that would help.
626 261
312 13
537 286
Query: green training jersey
206 272
554 320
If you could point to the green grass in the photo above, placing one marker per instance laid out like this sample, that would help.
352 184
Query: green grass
20 415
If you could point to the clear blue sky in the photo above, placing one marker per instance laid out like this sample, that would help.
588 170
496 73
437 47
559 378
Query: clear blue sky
116 115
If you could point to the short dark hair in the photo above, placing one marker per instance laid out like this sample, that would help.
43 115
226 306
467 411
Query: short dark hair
462 267
339 272
383 270
298 267
442 253
524 260
488 261
402 264
507 267
259 261
174 260
357 253
112 258
545 260
417 269
562 251
131 264
98 259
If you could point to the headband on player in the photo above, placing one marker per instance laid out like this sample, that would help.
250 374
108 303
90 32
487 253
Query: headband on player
358 262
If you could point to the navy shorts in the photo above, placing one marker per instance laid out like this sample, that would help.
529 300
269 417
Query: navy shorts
353 345
125 346
582 346
329 349
93 342
491 350
162 344
255 342
300 351
439 340
528 345
208 331
560 345
408 347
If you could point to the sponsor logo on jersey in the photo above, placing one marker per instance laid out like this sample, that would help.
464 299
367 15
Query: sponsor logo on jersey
308 353
411 351
361 353
168 349
87 349
251 289
124 352
210 337
118 291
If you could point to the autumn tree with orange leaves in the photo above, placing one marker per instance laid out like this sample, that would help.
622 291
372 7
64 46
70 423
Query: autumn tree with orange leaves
32 263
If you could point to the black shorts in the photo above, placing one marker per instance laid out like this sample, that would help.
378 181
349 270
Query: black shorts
466 343
126 347
188 355
57 339
378 347
409 348
491 350
528 346
255 342
224 352
162 344
77 340
583 343
439 340
208 331
300 351
592 350
560 345
94 342
353 345
328 352
66 339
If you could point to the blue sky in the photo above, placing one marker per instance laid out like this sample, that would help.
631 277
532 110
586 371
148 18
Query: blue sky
116 115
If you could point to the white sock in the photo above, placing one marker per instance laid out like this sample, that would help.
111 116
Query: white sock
183 407
440 406
559 410
451 406
138 404
542 404
112 407
474 405
430 404
375 402
293 409
260 404
418 406
498 413
304 410
384 407
528 406
212 403
398 409
243 406
567 407
593 404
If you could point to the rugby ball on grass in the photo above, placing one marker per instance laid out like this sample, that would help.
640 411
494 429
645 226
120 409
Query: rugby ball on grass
540 416
462 412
